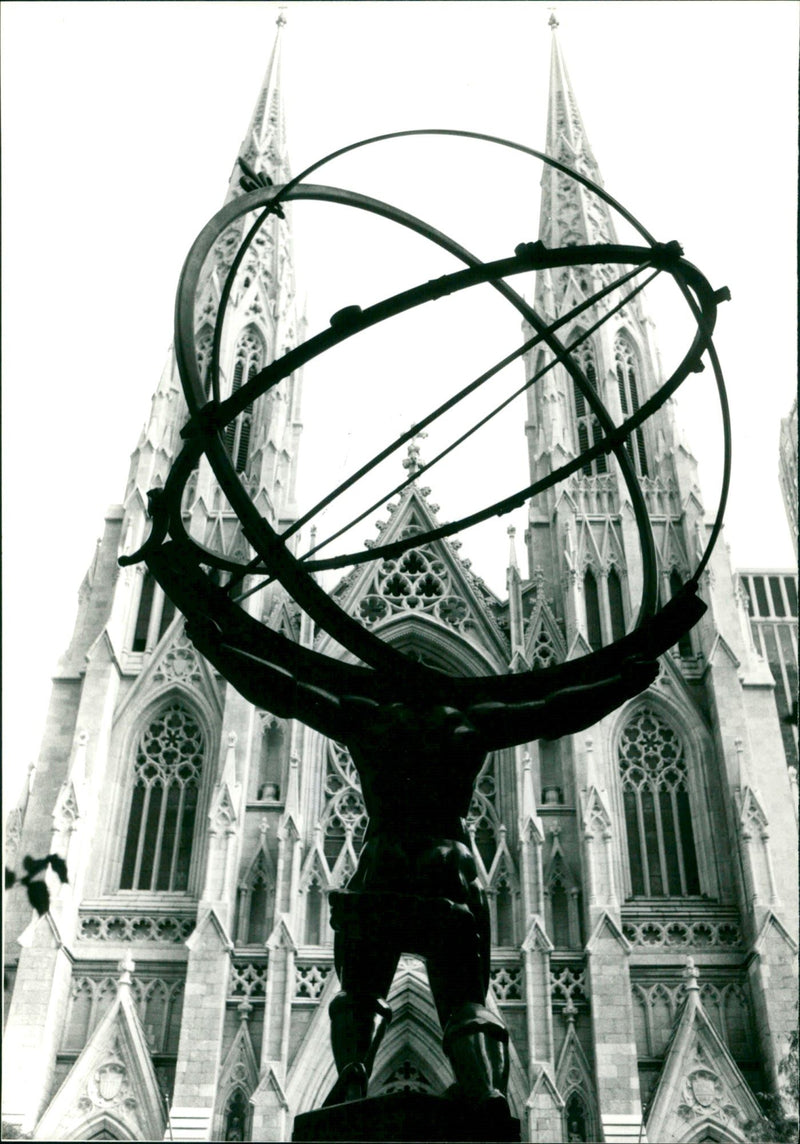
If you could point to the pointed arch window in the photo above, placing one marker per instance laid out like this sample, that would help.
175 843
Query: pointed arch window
158 846
153 616
591 596
658 821
237 1111
256 903
143 613
685 642
314 911
248 360
269 774
205 347
626 367
503 912
577 1118
587 427
615 605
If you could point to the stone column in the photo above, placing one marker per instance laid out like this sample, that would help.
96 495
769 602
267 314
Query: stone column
616 1062
35 1023
200 1047
270 1107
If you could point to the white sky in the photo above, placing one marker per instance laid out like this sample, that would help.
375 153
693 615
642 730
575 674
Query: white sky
121 122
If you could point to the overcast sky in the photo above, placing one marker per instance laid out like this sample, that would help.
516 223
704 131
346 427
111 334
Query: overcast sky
121 122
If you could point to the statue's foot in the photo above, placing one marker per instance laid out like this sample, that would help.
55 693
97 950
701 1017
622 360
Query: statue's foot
351 1085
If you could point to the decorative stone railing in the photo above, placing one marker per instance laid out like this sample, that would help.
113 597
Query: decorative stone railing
168 929
720 934
248 979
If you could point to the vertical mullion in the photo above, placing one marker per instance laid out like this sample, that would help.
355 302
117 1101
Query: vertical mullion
162 810
177 839
678 841
660 839
643 842
142 837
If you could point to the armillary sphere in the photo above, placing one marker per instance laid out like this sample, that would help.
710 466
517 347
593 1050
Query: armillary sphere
218 623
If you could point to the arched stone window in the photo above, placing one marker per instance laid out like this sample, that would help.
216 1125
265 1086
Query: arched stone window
269 774
143 612
154 615
626 367
248 360
237 1113
661 848
205 346
594 631
685 642
315 899
158 846
504 913
615 605
587 427
576 1115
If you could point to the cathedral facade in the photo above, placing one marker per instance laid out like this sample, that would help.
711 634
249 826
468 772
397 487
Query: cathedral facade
641 876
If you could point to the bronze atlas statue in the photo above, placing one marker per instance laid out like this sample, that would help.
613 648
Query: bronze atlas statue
418 737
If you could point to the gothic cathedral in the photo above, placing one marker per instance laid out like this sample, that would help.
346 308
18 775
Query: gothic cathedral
641 877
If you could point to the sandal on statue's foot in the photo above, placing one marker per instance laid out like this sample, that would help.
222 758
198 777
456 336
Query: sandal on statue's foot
351 1085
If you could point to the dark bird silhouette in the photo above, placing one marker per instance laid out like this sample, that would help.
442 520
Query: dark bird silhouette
33 880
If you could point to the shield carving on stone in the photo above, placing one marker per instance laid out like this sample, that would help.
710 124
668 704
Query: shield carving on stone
705 1088
108 1082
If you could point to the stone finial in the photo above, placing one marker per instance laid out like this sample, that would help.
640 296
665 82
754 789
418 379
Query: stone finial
570 1011
244 1009
263 827
125 969
553 21
690 976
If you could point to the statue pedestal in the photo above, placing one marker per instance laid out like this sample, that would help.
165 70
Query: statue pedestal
405 1116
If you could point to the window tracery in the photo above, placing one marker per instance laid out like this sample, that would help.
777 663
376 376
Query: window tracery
406 1077
416 581
726 1004
167 770
661 850
483 822
626 367
344 821
159 1003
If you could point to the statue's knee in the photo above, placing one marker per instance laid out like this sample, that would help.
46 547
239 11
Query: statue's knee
353 1005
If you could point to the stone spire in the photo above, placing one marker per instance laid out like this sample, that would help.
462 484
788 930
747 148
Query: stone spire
264 145
569 214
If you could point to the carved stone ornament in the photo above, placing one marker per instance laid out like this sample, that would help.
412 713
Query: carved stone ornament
109 1086
704 1095
705 1089
179 663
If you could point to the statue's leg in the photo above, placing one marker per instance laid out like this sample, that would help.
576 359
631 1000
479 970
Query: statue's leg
475 1040
359 1014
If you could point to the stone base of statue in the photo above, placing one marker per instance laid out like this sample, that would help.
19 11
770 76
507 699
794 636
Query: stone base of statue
405 1116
